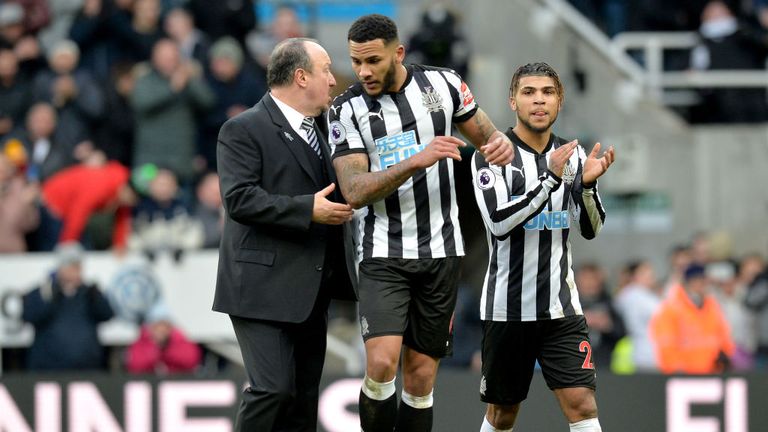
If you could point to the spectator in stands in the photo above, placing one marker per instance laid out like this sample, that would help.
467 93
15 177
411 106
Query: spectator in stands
140 31
37 15
94 31
689 331
637 303
757 301
161 220
439 42
728 44
65 312
224 18
13 33
284 25
701 248
47 155
679 260
750 267
15 93
761 12
114 135
210 210
730 295
605 324
18 210
236 86
167 98
609 15
72 196
78 100
193 43
161 347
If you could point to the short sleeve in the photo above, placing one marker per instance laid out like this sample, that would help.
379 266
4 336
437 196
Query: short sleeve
343 131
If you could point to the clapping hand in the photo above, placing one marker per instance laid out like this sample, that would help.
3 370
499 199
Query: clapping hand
560 157
595 166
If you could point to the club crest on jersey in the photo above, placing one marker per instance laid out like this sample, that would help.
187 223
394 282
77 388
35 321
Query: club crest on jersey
568 173
485 178
432 100
338 133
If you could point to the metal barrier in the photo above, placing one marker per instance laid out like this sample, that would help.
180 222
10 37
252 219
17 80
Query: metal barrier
659 82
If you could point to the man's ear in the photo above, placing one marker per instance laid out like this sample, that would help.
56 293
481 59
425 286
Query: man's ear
513 104
300 77
399 54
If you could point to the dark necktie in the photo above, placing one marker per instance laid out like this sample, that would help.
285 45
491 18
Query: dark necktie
308 124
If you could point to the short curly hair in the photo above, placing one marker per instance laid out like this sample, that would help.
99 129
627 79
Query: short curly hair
536 69
372 27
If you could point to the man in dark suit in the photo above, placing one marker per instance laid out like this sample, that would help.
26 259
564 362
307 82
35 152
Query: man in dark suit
282 254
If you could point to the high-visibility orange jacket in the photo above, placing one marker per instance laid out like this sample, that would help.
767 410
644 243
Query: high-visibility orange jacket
688 339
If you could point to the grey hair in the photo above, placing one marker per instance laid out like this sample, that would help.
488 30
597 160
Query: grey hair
288 55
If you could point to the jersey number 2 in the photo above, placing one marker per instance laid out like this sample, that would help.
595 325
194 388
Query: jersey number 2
584 346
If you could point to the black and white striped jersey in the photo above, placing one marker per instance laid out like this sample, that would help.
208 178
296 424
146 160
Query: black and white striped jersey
421 218
528 213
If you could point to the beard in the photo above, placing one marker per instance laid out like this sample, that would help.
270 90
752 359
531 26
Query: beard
388 81
536 129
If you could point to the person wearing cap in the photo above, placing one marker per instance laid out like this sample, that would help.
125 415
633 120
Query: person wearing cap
237 87
161 347
65 312
16 32
689 330
11 22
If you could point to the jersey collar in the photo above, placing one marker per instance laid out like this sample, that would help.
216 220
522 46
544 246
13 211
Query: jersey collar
520 143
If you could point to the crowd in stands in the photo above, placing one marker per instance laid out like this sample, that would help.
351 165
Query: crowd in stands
109 113
707 313
733 35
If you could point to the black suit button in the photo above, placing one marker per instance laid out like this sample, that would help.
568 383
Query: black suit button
319 267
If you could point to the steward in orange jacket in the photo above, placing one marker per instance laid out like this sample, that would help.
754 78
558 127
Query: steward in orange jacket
689 330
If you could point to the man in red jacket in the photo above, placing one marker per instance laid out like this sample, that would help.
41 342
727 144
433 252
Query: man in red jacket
74 194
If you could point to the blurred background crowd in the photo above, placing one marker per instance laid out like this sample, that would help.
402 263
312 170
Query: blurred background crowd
109 113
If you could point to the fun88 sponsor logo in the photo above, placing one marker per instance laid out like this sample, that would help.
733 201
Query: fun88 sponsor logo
548 220
397 148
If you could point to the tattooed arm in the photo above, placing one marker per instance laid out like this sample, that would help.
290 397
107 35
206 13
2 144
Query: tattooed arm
492 143
361 187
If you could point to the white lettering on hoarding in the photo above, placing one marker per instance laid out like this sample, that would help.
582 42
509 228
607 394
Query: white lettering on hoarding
334 401
736 414
176 397
48 407
682 393
138 406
